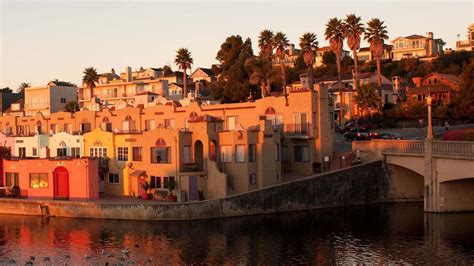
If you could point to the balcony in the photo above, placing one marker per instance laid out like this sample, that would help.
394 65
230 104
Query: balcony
103 165
304 130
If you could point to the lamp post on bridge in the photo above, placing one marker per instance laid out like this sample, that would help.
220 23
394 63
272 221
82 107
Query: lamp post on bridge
430 126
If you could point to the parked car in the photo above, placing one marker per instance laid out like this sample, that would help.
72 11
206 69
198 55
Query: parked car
386 135
357 123
356 134
373 135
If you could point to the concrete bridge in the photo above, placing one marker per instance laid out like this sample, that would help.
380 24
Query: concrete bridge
440 172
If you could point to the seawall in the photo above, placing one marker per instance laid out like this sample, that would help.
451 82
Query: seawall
362 184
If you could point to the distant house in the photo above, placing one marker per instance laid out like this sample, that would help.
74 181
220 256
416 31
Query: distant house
202 78
365 55
439 86
417 46
468 44
291 55
49 99
322 50
7 97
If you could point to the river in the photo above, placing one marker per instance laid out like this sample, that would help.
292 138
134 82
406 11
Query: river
393 233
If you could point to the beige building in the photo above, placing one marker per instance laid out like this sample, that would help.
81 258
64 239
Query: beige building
417 46
467 44
322 50
365 55
48 99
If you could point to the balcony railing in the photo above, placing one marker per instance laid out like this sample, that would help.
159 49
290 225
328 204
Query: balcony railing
298 130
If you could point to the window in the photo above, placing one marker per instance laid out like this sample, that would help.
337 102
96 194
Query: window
301 123
62 100
160 155
76 152
169 123
114 178
302 153
98 152
167 179
137 153
252 153
53 128
284 153
12 179
253 179
122 154
22 152
239 153
106 126
61 152
85 127
155 182
226 154
231 122
277 152
67 128
39 180
187 154
34 151
150 125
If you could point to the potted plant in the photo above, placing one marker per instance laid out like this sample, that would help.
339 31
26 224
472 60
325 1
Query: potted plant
146 187
171 184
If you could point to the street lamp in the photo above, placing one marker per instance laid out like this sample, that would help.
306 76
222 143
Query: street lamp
430 127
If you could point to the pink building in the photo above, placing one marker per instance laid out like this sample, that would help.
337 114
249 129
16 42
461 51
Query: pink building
65 179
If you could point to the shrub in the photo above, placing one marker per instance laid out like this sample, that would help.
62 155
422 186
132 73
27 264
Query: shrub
459 135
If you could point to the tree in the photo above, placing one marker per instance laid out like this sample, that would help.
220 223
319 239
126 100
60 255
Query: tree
265 45
167 70
233 80
280 42
23 86
353 30
366 97
261 71
375 34
184 61
335 34
309 45
71 107
464 100
90 78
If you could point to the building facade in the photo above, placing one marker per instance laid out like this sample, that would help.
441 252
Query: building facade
48 99
466 44
209 150
440 86
417 46
365 55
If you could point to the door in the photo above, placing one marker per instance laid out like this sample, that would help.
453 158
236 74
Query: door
101 183
61 183
193 188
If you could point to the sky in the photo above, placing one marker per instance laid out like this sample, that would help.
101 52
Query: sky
41 40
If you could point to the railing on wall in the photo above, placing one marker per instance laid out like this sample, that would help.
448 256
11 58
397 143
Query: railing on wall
298 130
454 148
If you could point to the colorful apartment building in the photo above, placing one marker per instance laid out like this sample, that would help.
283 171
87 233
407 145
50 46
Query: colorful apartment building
417 46
48 99
466 44
439 86
210 150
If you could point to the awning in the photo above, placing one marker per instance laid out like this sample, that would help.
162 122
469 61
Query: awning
138 173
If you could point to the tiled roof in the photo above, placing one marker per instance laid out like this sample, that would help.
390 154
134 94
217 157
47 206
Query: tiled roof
208 71
414 36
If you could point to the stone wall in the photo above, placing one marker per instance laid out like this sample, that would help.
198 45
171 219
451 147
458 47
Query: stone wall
362 184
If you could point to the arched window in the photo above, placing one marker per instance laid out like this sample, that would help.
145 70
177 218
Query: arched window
270 111
193 115
160 153
160 143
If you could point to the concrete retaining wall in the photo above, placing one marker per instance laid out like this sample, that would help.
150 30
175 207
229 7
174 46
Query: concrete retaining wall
362 184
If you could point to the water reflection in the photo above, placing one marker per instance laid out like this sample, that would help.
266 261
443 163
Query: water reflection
399 233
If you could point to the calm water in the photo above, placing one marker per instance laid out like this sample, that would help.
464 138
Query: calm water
399 233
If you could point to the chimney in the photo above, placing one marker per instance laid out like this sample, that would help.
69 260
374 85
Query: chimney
112 71
128 74
417 81
292 49
430 43
396 84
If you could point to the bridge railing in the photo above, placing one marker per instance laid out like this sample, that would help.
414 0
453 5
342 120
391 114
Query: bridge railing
402 146
454 148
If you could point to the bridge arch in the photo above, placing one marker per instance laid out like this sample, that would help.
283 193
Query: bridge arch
405 184
456 195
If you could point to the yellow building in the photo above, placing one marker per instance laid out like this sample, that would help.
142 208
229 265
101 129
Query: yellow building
417 46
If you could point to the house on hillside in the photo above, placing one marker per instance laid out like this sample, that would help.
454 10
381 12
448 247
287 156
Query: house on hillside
417 46
439 86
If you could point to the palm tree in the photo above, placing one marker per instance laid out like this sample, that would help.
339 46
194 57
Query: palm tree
375 34
353 30
309 45
335 34
280 42
261 72
366 97
23 86
265 45
184 61
90 78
